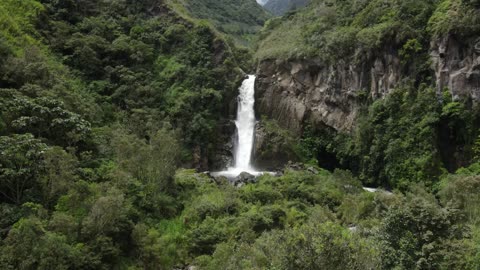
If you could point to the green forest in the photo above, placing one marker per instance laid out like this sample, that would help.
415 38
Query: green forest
111 111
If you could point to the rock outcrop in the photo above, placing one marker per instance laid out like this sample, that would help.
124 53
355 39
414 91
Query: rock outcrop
457 66
296 92
243 179
299 91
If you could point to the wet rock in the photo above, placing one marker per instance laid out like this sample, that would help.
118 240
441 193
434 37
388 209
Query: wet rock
296 166
244 178
277 174
223 156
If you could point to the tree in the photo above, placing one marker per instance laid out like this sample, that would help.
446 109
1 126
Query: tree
17 252
43 117
311 246
21 164
413 234
153 162
30 246
58 173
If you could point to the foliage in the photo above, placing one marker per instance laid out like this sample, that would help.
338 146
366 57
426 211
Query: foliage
239 19
458 17
413 236
101 101
410 136
17 21
20 166
278 147
335 30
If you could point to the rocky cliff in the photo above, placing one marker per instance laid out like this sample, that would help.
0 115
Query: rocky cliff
457 66
295 92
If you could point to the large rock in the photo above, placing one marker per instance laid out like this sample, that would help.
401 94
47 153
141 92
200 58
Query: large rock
244 178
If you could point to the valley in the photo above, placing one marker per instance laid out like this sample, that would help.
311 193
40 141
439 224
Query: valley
279 134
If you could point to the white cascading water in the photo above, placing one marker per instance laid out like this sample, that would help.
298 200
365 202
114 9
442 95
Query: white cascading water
262 2
245 124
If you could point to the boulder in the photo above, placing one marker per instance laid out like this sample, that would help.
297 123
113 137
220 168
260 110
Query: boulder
244 178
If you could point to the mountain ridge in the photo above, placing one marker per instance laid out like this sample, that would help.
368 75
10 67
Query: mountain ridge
240 20
280 7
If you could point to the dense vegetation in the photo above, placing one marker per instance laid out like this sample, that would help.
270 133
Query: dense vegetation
103 102
100 101
408 137
335 30
240 20
280 7
415 134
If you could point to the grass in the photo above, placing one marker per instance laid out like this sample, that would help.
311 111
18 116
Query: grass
285 41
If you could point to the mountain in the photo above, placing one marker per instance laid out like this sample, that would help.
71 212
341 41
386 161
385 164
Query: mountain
280 7
240 19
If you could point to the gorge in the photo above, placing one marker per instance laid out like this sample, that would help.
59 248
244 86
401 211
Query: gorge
132 138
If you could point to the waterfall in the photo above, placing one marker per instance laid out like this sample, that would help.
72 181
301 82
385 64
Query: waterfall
262 2
245 124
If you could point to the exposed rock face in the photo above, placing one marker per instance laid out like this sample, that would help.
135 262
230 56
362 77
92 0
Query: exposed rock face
457 66
223 153
296 92
300 91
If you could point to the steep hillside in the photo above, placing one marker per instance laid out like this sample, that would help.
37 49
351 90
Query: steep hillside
280 7
100 102
240 19
353 74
